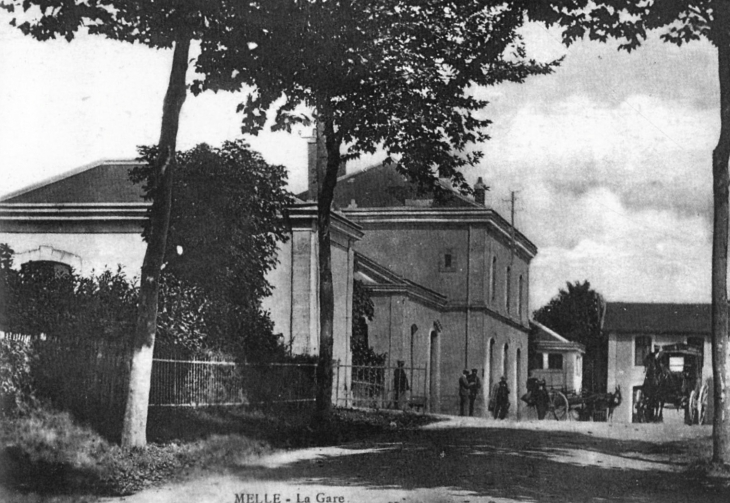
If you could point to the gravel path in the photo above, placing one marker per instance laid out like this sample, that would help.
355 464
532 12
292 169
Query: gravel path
470 460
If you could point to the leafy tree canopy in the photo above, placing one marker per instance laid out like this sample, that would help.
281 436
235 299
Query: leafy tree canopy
394 74
226 221
576 313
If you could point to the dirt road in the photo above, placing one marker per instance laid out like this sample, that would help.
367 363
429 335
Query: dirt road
471 460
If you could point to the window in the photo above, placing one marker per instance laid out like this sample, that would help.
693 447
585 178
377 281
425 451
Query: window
642 348
505 361
521 294
46 267
555 361
447 261
508 288
493 280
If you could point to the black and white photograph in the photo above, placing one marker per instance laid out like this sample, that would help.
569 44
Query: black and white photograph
390 251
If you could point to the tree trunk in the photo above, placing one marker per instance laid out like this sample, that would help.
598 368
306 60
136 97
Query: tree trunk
720 156
134 432
325 194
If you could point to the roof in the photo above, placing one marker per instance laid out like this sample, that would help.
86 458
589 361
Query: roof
547 339
381 186
381 280
99 182
657 318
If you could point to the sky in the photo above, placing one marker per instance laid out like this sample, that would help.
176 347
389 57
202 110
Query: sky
609 158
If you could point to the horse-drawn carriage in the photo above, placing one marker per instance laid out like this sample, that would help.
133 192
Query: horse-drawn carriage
673 376
562 404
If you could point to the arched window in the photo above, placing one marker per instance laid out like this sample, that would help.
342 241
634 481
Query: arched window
46 267
491 364
493 280
414 329
508 288
505 361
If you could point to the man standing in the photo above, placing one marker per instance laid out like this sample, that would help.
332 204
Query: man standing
400 384
463 391
501 405
475 384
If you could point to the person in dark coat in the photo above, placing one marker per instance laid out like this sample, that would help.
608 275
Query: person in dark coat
400 384
475 384
542 399
501 403
463 391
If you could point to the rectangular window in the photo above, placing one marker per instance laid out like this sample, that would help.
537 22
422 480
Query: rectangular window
521 294
493 280
642 348
447 261
555 361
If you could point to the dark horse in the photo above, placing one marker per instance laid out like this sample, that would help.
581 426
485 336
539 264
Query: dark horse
657 390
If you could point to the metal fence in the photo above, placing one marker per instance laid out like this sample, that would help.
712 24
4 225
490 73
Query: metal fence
378 387
192 383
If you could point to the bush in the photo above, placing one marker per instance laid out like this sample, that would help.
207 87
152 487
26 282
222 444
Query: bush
16 381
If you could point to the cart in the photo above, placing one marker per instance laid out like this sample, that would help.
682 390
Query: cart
563 404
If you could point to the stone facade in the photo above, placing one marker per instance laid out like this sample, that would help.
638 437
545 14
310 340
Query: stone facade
467 254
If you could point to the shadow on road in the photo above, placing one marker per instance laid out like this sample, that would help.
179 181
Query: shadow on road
506 463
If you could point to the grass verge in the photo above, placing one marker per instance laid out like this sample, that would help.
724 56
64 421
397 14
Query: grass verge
47 453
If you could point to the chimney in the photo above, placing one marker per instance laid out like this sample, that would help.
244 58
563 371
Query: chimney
317 161
480 191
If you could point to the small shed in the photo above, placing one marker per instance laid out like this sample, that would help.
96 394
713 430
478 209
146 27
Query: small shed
555 358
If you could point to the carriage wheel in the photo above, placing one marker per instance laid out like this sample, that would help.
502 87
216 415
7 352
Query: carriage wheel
702 404
691 413
559 405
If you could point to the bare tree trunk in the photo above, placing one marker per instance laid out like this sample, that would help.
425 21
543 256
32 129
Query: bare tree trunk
326 191
134 430
720 156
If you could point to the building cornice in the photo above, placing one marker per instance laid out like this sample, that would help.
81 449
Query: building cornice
305 214
73 212
559 346
483 308
412 216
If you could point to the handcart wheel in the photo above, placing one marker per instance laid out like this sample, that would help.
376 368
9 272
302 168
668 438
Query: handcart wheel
559 405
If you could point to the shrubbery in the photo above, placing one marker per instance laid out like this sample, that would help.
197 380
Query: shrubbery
16 380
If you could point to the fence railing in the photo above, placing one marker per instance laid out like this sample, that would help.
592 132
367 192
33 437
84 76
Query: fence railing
192 383
89 377
381 387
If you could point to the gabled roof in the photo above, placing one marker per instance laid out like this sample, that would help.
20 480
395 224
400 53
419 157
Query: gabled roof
658 318
380 186
98 182
381 280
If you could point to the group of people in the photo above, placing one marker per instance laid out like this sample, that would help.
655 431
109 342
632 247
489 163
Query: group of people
469 386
